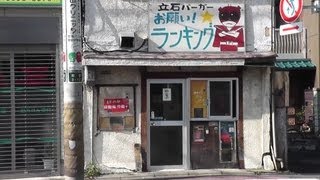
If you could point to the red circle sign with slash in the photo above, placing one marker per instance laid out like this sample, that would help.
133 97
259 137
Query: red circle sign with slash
290 10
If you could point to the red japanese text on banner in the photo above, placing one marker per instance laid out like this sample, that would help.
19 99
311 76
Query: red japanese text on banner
116 104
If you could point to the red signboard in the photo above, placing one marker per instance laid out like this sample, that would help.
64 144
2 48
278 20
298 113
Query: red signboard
116 105
290 10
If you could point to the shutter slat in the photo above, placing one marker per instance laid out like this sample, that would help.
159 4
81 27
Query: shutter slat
28 110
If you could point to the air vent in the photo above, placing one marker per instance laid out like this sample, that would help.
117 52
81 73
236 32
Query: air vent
127 42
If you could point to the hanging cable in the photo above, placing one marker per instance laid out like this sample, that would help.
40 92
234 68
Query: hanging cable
118 50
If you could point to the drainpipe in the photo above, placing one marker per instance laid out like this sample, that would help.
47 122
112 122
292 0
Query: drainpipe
273 147
273 24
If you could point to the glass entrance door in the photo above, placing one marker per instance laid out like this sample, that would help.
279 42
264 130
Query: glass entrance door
167 126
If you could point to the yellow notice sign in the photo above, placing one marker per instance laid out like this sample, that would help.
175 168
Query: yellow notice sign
30 2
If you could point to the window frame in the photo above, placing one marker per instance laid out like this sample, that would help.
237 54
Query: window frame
234 115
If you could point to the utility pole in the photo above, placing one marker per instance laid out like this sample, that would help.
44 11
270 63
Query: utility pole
72 87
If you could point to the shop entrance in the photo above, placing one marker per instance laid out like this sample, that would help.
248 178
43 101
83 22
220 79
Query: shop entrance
167 125
192 123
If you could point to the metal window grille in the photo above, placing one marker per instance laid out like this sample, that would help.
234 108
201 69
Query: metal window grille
28 112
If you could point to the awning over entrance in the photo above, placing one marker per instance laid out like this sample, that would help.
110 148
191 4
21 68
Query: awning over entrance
117 58
296 64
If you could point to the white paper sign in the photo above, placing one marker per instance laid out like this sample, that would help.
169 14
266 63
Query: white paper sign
291 28
166 94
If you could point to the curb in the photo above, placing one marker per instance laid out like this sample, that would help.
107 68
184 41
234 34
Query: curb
182 174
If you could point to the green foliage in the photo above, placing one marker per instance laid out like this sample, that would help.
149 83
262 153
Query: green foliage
300 114
92 170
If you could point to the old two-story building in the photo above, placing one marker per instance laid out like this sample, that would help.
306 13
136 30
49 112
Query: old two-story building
178 84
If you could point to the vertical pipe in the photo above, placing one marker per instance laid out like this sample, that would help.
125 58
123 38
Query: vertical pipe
273 26
273 147
273 23
72 86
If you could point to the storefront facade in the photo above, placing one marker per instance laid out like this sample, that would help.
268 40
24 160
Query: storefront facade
29 87
181 101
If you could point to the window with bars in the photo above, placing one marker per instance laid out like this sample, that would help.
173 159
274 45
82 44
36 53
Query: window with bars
28 111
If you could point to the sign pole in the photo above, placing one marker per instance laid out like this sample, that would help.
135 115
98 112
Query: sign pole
72 87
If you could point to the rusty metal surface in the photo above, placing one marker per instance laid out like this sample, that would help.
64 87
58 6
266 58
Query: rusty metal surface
73 162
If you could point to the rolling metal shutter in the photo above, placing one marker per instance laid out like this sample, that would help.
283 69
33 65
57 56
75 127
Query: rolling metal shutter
29 109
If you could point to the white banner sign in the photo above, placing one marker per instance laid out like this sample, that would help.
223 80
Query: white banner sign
291 28
196 27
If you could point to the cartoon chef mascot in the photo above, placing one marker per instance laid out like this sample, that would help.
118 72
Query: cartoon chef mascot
228 36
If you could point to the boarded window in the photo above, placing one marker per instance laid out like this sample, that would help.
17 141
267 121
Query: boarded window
199 99
116 108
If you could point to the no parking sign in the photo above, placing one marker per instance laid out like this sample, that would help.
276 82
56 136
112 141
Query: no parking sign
290 10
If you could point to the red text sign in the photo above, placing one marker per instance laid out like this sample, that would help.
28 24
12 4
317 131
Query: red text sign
116 105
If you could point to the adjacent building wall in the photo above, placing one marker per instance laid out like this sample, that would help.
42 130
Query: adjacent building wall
312 22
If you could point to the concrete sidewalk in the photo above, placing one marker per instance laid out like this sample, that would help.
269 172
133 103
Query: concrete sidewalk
184 174
160 174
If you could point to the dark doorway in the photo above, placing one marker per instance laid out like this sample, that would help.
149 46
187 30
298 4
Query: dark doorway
303 145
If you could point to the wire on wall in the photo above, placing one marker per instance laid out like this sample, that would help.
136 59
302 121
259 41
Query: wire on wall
118 50
85 41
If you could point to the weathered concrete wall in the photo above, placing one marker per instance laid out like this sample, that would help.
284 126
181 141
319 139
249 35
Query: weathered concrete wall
113 151
88 105
116 149
258 25
107 20
256 114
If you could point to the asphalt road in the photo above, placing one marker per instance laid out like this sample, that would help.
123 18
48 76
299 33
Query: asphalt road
273 177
